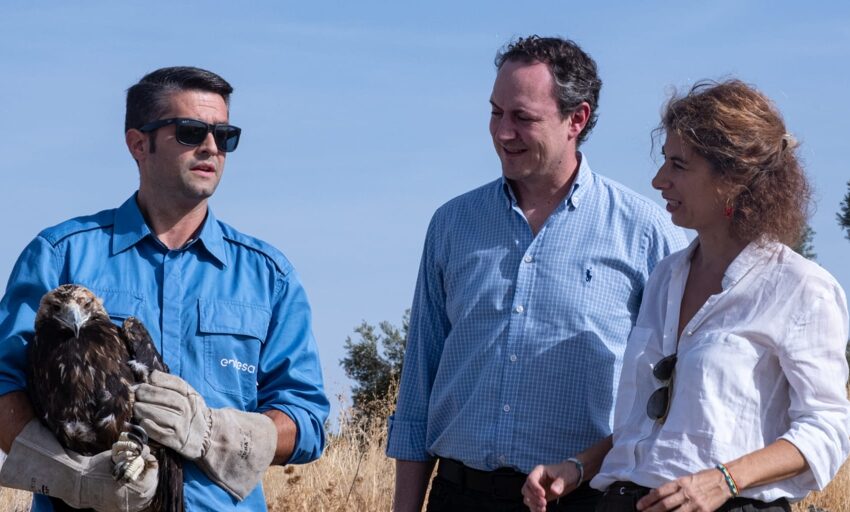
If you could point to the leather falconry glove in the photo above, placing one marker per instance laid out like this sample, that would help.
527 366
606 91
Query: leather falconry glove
38 463
234 448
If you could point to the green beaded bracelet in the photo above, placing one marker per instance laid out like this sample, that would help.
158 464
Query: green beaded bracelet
730 482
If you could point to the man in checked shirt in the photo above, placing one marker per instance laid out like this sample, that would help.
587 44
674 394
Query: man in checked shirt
527 290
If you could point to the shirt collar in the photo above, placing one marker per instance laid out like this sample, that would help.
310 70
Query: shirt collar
582 182
213 238
130 228
509 192
753 254
580 185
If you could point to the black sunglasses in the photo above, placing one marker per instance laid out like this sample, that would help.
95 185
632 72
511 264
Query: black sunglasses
192 132
659 401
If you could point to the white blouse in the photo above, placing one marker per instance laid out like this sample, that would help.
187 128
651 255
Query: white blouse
760 361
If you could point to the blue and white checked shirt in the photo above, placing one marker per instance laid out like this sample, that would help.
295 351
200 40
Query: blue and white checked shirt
226 311
516 341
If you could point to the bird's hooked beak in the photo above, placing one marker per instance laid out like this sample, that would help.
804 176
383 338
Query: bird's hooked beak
72 317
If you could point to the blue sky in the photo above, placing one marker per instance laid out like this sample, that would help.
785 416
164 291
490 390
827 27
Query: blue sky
361 118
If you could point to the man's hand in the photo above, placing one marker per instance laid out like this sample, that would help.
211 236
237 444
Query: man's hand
38 463
546 483
704 491
234 448
174 414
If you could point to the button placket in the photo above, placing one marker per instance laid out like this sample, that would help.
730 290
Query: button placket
526 263
172 306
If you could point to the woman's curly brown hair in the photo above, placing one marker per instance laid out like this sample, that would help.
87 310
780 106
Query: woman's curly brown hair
742 134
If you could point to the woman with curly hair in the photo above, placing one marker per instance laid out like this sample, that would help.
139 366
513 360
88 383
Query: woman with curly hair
732 395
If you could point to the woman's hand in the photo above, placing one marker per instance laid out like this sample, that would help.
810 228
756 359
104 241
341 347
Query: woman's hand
545 483
705 491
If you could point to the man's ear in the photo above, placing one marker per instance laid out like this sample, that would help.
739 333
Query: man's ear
578 119
137 143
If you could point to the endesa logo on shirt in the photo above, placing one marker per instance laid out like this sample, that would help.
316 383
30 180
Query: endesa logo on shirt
242 367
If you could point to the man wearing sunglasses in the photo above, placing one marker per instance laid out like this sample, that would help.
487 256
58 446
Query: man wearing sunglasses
226 311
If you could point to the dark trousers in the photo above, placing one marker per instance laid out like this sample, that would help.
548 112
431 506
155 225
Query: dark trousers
457 488
623 497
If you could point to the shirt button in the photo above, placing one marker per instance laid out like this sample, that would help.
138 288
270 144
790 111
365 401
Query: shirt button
513 358
519 309
506 408
690 333
502 459
528 258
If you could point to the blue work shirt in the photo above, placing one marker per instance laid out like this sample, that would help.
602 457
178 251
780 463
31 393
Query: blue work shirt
516 340
226 311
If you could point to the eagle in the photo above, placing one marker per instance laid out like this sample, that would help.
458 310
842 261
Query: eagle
81 372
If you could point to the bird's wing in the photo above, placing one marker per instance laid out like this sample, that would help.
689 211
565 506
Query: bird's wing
144 357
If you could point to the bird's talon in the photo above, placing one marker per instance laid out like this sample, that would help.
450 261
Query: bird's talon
118 471
134 469
127 454
138 435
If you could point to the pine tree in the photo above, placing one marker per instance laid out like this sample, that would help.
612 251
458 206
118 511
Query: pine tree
374 362
805 246
843 217
844 214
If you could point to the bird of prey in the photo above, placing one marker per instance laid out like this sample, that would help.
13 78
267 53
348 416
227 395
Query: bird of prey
80 375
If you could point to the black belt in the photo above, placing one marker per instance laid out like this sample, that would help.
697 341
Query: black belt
502 483
621 488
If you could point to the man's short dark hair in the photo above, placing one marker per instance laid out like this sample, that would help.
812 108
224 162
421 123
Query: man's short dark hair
574 72
148 100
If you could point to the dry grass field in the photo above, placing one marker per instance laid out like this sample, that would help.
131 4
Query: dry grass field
354 475
14 501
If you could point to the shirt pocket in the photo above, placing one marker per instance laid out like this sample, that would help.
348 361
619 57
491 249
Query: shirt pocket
233 334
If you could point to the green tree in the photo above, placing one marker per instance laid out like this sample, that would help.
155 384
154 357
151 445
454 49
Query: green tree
847 352
374 362
844 214
806 246
843 217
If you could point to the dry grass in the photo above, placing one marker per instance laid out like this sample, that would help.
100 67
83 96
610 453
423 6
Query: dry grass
354 474
12 500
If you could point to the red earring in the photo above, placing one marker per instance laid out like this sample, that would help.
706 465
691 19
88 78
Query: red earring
728 212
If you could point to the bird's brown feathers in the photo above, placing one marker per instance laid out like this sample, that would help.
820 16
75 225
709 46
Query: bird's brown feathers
80 375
